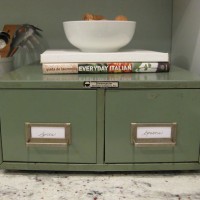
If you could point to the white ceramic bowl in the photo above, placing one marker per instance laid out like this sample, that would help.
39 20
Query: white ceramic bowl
100 35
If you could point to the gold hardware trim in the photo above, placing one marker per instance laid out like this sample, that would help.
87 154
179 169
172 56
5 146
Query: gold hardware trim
149 142
56 142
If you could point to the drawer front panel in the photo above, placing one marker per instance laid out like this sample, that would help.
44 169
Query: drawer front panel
126 108
40 107
0 150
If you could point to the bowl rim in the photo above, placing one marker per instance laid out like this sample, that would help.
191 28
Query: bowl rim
98 21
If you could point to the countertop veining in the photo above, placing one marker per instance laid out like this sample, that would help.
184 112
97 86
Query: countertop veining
33 185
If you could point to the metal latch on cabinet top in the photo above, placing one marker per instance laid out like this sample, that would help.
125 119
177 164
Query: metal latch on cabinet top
101 84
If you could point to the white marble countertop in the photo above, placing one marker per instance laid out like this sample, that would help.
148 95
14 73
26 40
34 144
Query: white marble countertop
32 185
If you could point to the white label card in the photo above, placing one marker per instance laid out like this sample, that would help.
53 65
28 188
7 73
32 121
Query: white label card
154 132
48 132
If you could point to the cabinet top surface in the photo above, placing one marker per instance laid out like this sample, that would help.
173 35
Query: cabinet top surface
32 77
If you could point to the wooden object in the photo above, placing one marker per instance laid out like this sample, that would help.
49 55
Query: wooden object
10 29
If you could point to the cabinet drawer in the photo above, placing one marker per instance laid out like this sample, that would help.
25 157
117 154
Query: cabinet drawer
152 106
77 107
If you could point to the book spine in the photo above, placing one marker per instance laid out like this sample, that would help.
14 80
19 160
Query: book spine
112 67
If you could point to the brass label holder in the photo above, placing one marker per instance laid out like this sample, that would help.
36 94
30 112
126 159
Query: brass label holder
48 134
153 134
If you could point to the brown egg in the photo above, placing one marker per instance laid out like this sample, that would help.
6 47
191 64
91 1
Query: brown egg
121 18
89 16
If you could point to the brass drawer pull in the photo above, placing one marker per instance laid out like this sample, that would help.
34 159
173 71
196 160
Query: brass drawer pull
48 134
153 134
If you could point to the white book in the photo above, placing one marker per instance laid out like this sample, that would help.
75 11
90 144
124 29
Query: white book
64 56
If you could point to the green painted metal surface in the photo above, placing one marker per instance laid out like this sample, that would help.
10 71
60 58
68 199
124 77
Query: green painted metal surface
32 77
1 159
100 126
124 107
100 119
100 167
49 106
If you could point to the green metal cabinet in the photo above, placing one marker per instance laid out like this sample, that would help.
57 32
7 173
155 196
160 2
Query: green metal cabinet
102 111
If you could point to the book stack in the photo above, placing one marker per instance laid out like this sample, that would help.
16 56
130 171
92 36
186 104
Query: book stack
132 61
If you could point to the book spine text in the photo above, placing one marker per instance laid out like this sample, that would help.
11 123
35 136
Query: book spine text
119 67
